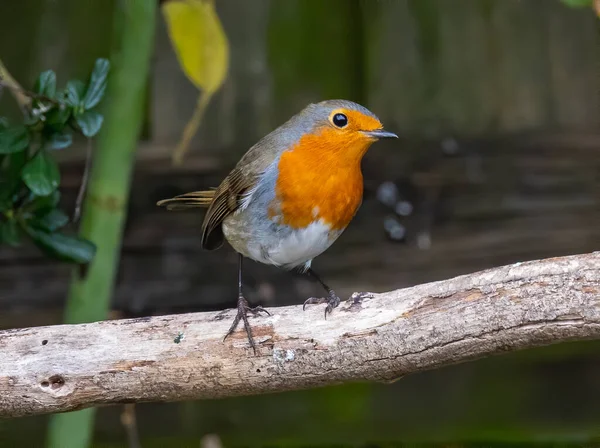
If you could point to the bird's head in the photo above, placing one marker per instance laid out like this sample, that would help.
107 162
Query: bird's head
342 127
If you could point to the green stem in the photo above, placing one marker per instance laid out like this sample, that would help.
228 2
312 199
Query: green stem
104 209
192 127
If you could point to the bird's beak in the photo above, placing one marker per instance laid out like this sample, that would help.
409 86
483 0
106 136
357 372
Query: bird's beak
379 133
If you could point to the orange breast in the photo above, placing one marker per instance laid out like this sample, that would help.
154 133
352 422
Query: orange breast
320 178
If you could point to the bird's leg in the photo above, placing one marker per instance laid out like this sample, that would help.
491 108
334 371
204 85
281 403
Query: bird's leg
242 310
332 298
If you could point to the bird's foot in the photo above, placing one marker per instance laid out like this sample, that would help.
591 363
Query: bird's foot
332 300
358 297
242 314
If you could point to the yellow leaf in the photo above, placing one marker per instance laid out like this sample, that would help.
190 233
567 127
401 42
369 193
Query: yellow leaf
202 50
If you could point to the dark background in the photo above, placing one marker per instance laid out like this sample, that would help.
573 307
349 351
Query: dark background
497 106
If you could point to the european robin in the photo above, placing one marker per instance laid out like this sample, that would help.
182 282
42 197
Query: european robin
291 195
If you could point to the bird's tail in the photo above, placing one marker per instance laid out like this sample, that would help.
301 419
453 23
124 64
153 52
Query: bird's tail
195 199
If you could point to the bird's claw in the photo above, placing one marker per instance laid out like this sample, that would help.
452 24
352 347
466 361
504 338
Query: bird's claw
358 297
332 301
242 314
257 310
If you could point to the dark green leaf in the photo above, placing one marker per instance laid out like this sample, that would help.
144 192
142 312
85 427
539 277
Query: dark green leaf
31 119
63 247
97 85
90 122
14 140
41 174
3 123
16 162
46 84
58 117
51 221
5 203
74 93
42 204
11 182
9 233
59 140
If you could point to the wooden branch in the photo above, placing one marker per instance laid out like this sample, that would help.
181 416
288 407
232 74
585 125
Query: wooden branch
183 357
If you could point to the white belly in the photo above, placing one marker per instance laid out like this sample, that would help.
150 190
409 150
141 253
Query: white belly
298 247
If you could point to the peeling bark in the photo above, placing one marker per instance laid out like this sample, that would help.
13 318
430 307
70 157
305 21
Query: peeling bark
183 357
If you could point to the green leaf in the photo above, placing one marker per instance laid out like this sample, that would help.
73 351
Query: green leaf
41 174
5 203
46 84
90 122
97 84
58 117
9 233
16 162
51 221
10 180
59 140
74 93
63 247
31 119
43 204
14 140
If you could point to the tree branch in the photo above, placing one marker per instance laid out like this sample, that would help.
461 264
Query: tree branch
183 357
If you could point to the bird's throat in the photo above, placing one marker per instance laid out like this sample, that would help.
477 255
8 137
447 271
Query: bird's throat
319 182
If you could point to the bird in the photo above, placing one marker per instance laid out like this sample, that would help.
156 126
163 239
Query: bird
290 196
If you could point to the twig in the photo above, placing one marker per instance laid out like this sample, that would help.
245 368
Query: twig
6 80
84 181
525 305
28 94
191 127
211 441
130 423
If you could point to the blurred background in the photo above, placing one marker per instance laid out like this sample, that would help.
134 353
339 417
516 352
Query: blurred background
497 106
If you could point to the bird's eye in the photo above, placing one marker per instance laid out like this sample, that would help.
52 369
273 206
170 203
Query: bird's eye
340 120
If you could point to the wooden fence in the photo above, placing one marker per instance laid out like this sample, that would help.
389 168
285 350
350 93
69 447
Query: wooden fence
485 71
515 81
428 68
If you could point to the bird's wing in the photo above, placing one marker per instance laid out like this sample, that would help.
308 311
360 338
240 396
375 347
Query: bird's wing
228 196
246 175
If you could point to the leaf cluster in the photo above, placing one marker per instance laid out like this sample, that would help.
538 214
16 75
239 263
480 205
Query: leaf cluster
29 174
